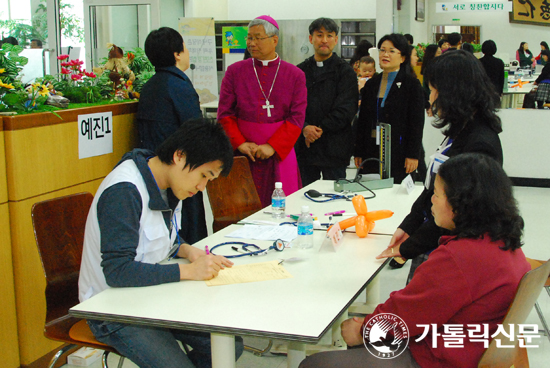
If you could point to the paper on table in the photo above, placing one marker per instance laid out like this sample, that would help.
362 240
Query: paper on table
250 273
258 232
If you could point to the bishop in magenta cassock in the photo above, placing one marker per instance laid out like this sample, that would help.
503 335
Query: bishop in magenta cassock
262 109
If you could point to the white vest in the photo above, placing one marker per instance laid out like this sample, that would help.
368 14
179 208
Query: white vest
155 240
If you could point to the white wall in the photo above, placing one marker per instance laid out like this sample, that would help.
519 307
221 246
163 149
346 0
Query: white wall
525 154
305 9
495 26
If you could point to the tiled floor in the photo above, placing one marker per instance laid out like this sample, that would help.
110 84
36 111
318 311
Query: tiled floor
532 201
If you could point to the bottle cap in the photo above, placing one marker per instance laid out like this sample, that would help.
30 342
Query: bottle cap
305 209
278 185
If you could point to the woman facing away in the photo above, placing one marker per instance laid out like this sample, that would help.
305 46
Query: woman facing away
493 67
469 281
464 102
394 97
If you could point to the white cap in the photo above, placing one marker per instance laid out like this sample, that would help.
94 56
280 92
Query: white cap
278 185
305 209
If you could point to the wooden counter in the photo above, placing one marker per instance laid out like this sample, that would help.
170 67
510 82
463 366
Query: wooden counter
42 163
8 318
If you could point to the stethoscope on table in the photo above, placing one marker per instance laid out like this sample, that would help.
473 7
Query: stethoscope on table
312 194
250 249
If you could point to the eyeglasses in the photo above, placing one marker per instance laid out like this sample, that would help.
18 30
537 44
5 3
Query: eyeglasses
390 52
256 39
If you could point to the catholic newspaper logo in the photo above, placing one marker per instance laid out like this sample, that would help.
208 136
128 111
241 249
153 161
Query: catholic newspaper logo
386 336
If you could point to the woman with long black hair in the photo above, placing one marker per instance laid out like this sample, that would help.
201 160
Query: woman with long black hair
464 102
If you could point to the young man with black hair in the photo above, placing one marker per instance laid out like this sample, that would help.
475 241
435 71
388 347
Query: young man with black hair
132 226
455 40
167 101
324 146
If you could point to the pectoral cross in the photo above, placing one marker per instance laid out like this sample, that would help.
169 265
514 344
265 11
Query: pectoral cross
268 107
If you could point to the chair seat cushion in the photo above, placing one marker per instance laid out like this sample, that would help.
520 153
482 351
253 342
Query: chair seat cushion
81 332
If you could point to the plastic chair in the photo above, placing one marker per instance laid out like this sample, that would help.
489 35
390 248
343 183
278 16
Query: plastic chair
527 294
59 232
233 197
534 264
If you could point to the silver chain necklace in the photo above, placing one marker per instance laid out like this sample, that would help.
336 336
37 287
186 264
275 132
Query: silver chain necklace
267 106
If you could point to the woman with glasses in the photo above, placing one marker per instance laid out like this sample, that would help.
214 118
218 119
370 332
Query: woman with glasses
394 97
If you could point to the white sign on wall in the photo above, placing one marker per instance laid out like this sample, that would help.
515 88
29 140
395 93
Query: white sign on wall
95 134
473 7
199 37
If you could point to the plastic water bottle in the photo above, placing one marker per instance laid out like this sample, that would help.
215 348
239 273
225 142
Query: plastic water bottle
505 81
305 229
278 200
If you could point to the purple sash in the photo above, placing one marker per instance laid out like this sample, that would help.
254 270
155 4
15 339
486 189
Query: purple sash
266 172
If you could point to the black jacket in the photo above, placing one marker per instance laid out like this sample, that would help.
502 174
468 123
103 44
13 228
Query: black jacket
544 74
419 223
495 70
167 100
403 110
332 98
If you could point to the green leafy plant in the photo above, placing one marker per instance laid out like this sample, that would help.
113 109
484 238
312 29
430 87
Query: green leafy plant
71 25
10 84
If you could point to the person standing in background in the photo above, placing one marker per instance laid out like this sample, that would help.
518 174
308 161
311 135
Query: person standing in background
493 67
262 108
524 55
394 97
167 101
539 59
324 145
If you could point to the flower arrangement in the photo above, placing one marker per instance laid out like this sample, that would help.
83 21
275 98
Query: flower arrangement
76 83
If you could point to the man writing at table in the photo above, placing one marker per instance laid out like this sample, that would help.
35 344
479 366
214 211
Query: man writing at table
132 226
262 108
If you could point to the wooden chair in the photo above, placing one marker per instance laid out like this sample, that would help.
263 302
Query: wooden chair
534 264
234 197
527 294
59 231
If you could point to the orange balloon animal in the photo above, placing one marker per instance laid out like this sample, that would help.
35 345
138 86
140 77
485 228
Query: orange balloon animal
519 84
364 221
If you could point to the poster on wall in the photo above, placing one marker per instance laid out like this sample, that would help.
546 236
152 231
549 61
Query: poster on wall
234 39
531 12
420 12
199 37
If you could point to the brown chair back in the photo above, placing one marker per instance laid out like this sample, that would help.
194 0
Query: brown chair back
59 226
527 294
233 197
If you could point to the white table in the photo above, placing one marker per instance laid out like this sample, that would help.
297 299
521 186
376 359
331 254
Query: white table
394 199
300 309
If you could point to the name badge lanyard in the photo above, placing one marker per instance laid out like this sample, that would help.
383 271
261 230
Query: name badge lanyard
176 245
379 102
436 160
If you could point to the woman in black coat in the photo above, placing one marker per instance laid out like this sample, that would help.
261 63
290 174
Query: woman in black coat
396 98
493 66
464 102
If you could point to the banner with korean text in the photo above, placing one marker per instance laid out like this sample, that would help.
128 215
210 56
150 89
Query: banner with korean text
483 6
531 12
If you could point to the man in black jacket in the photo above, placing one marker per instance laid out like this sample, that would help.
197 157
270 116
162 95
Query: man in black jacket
326 143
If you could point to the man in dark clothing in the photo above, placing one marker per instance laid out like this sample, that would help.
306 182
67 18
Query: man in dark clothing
326 142
167 101
455 40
